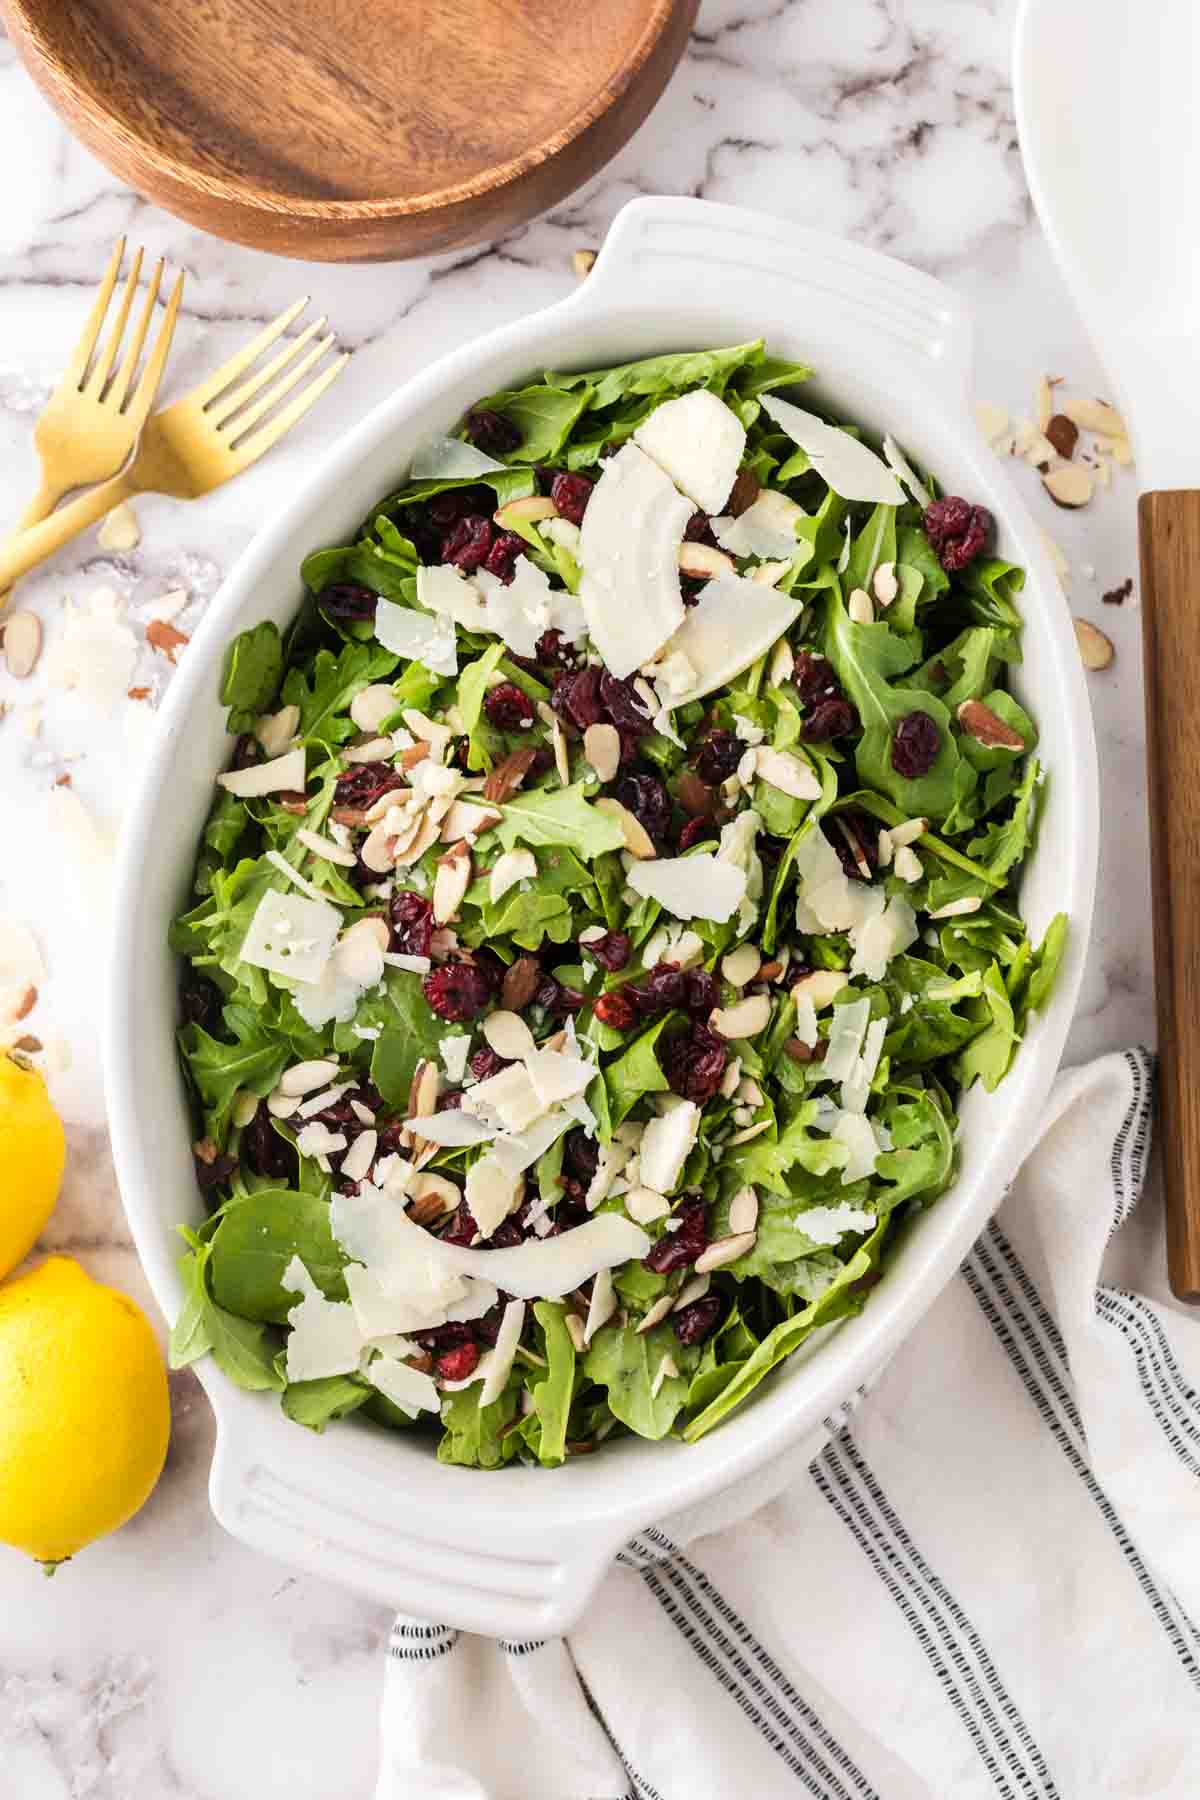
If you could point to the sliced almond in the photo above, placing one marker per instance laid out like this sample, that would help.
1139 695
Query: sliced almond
768 573
361 948
508 1035
992 421
908 864
532 507
325 847
428 730
244 1108
413 754
508 775
637 839
743 1211
379 850
861 607
885 585
22 643
562 756
306 1077
745 1019
693 1290
821 987
790 774
513 866
885 849
602 748
782 664
119 530
958 909
657 1312
1070 485
987 728
583 261
423 1093
372 705
466 820
908 832
1095 650
1045 403
276 730
451 882
369 749
1095 415
574 1325
522 980
702 561
282 1106
742 965
427 834
724 1250
1063 433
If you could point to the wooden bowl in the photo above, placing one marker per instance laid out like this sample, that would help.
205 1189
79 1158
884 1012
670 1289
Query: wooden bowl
352 130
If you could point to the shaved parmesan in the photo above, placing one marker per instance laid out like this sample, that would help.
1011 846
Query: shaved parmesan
409 1389
856 1088
454 1129
732 624
450 459
500 1358
491 1193
602 1306
848 466
290 935
827 1225
454 1052
882 937
551 1268
518 1151
510 1097
691 887
355 967
846 1032
417 636
628 549
325 1338
556 1077
806 1018
445 590
900 467
281 774
528 606
854 1130
766 530
666 1143
698 441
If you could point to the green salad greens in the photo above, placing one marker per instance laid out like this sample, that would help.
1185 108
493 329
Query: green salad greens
612 893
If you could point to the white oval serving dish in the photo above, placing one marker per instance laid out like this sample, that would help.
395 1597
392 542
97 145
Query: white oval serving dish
518 1553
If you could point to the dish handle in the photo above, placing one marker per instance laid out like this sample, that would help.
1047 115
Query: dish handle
343 1524
678 254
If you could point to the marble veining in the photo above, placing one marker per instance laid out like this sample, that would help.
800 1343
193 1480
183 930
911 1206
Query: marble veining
170 1663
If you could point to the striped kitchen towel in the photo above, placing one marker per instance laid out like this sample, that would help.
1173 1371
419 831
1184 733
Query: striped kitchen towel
981 1582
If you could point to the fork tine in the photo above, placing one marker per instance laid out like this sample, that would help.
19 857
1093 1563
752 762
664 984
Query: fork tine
229 371
124 375
222 409
143 394
250 449
275 393
94 384
81 355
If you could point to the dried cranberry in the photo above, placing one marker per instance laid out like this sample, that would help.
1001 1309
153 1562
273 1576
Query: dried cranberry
213 1174
663 987
915 744
718 756
552 651
855 837
616 1009
264 1150
508 708
557 1000
698 530
462 1230
503 554
694 1063
247 751
458 1363
446 508
647 799
457 991
411 921
576 698
348 600
815 679
702 994
679 1248
200 1000
467 545
698 1321
444 1337
611 951
694 832
491 968
581 1154
829 719
623 707
957 531
450 1101
484 1062
491 431
363 784
570 494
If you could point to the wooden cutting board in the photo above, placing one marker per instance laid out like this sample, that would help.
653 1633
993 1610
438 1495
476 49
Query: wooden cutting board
352 130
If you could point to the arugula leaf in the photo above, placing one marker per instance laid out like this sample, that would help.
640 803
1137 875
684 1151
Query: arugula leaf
663 375
637 1072
625 1362
874 544
242 1349
257 1238
764 373
552 1394
1003 845
766 1160
324 697
253 665
986 1057
1042 970
255 1060
559 816
191 1334
314 1403
411 1033
475 1435
545 415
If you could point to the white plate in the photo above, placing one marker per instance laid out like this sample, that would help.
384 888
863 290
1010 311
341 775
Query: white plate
518 1553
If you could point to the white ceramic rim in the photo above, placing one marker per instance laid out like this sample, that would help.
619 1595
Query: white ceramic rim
319 1502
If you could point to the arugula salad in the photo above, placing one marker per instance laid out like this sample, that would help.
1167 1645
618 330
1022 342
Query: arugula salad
612 894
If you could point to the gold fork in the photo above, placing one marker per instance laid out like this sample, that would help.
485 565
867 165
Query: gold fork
201 441
91 421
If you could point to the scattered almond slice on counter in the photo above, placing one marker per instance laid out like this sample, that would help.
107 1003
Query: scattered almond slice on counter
1095 415
164 637
1070 485
22 643
1063 434
119 530
1045 403
992 420
582 262
1095 649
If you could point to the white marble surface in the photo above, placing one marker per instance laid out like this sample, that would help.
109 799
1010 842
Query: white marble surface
169 1661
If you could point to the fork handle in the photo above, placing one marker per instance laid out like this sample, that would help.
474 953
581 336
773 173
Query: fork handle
39 508
28 547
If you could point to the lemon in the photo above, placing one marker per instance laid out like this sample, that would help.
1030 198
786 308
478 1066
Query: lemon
32 1151
84 1415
